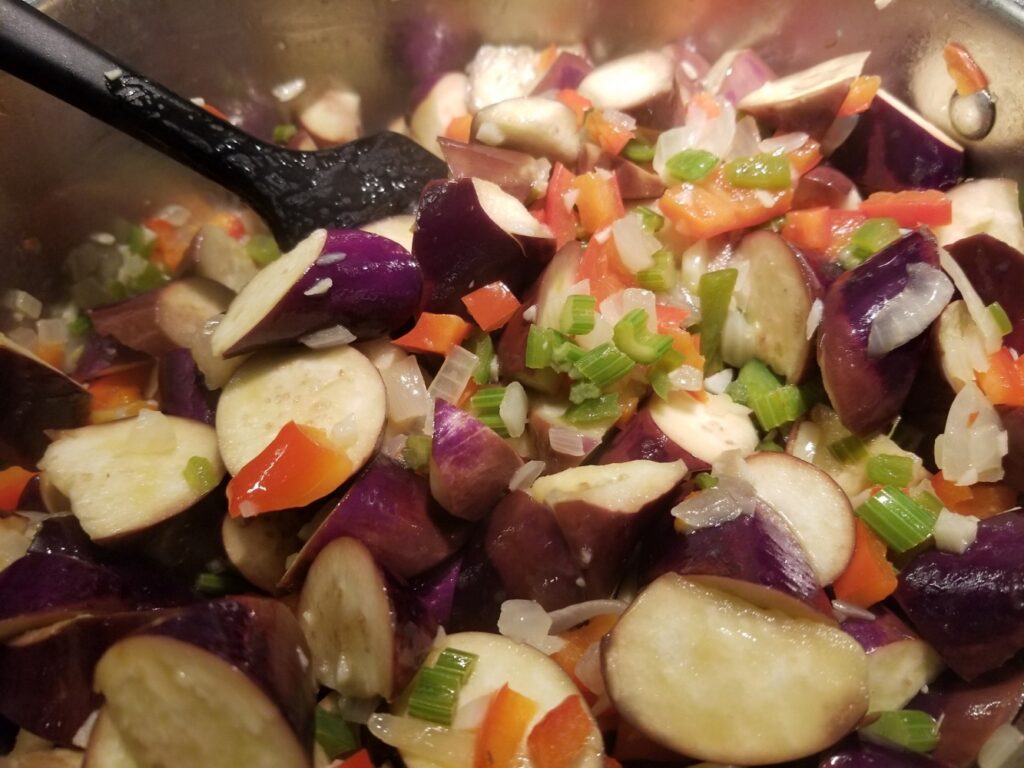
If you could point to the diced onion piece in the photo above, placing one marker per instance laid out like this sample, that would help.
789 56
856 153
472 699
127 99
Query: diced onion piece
634 244
84 732
953 532
513 409
436 743
355 710
335 336
971 448
717 383
908 314
454 375
747 141
588 669
567 442
641 298
527 622
152 432
986 323
844 610
814 317
784 144
686 378
407 392
603 332
523 477
289 89
216 370
23 303
1003 749
726 501
52 331
345 432
174 214
714 135
573 615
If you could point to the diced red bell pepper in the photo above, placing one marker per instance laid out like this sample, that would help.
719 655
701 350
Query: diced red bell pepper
298 467
491 306
560 738
608 134
360 759
911 208
12 484
669 316
560 218
505 723
964 70
869 577
435 333
598 266
577 102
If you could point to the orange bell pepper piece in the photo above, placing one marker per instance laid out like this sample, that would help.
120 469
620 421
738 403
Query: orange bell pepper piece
12 484
118 395
982 500
360 759
1003 382
561 219
598 266
491 306
576 102
808 229
869 577
460 128
608 135
861 94
561 736
964 70
298 467
715 207
577 642
599 201
504 725
435 333
911 208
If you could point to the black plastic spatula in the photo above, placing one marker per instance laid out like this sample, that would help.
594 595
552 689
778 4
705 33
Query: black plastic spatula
295 192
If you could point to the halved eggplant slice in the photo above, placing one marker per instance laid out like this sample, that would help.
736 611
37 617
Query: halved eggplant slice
325 388
989 206
259 547
368 633
223 683
808 100
680 655
445 101
631 82
364 282
107 748
36 397
129 475
531 124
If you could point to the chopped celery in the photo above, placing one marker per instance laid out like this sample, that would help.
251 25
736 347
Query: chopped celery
715 292
218 584
638 151
691 164
705 480
658 379
756 379
262 249
199 474
929 501
762 171
582 391
483 348
565 356
662 276
487 400
540 344
578 315
604 365
899 520
632 337
141 241
849 449
494 422
80 326
601 408
462 662
284 133
890 469
149 278
1002 319
649 220
909 729
871 237
335 736
416 452
779 406
435 694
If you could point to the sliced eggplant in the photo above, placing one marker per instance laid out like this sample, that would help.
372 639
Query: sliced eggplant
603 510
16 532
367 632
398 228
445 101
630 83
259 547
806 101
995 269
547 414
519 174
325 388
892 148
107 747
531 124
470 233
129 475
678 656
182 388
567 71
36 397
470 464
366 283
737 73
223 683
813 505
46 674
388 508
333 118
984 206
104 354
500 72
217 256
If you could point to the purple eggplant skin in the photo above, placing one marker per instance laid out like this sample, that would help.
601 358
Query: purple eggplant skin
868 392
389 509
46 675
996 270
757 548
527 549
436 589
567 71
1012 417
479 591
635 182
888 151
863 754
971 712
428 46
884 629
262 639
36 397
103 355
970 607
641 438
460 248
822 186
517 173
182 389
63 535
470 464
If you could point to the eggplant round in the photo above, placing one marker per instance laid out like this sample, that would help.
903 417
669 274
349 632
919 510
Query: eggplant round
259 547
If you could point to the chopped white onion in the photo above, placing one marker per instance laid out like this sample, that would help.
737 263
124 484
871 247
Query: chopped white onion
731 463
523 477
611 308
909 313
634 244
814 317
619 119
530 313
686 378
726 501
843 610
420 738
717 383
513 409
588 669
582 288
216 369
53 330
567 442
345 431
953 532
454 375
603 332
356 710
152 432
963 347
23 303
804 444
603 234
81 737
113 74
714 135
248 509
641 298
289 89
984 319
784 144
428 420
747 141
1003 749
527 622
319 288
569 199
103 238
971 448
573 615
739 338
174 214
407 392
335 336
470 715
